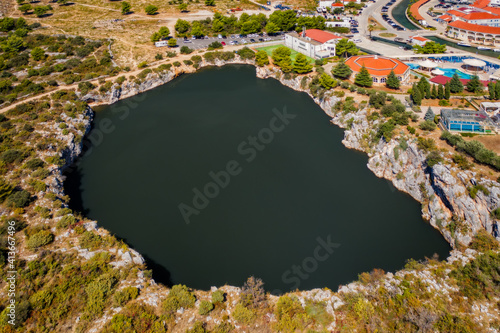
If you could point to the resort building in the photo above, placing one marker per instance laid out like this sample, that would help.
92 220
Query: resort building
467 121
418 40
379 67
474 33
313 43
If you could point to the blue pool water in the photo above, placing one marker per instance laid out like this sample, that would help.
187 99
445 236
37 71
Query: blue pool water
450 71
447 71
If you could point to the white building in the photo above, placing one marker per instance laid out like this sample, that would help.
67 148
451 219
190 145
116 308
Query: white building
345 23
419 40
313 43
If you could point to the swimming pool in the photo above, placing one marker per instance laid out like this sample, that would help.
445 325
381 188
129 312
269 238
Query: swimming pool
450 71
447 71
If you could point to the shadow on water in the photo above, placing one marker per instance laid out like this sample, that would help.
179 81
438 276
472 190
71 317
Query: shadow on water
73 188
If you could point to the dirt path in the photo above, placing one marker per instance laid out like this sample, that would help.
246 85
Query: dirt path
179 57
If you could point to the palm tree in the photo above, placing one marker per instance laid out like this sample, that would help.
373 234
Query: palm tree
371 27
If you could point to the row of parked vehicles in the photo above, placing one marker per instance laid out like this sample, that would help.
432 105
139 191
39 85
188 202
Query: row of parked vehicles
244 39
388 19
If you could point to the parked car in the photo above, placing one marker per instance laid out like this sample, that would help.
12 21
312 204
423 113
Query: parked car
252 40
223 43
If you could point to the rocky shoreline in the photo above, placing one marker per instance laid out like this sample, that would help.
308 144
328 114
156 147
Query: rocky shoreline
442 190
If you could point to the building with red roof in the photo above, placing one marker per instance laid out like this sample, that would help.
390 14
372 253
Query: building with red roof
313 43
481 3
483 15
380 67
441 79
474 33
444 18
419 40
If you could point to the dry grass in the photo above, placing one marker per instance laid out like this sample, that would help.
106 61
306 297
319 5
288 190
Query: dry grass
376 24
97 19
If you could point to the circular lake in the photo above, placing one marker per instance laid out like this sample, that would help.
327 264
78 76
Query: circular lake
219 175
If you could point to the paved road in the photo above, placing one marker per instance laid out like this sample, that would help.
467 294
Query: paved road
203 43
429 19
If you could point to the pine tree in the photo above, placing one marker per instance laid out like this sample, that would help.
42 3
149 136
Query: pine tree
497 90
474 84
342 71
301 64
327 81
440 92
392 81
286 65
261 58
456 85
447 91
434 92
429 115
363 78
416 95
491 90
425 88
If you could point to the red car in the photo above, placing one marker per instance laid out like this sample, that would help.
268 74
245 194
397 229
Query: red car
223 43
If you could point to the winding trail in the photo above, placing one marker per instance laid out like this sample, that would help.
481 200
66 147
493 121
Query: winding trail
179 57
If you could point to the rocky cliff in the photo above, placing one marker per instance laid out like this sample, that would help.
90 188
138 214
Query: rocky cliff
442 190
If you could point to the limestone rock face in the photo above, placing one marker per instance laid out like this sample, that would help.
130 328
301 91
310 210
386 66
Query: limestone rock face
442 189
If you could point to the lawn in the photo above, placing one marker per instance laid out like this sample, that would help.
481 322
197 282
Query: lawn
269 50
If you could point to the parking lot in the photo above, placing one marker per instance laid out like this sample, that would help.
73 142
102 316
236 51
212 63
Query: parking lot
199 43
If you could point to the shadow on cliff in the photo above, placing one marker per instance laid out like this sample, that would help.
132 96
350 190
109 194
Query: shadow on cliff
72 177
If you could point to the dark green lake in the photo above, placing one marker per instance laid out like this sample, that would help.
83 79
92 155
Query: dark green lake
299 210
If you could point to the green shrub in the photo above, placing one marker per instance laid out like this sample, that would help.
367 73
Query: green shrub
479 279
19 199
90 240
179 297
186 50
198 327
34 163
243 315
433 158
123 296
427 125
66 221
218 297
205 308
41 299
483 241
97 293
290 315
426 144
39 239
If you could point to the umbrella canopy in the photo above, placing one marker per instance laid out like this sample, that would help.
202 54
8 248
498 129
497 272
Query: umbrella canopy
474 62
428 64
437 71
